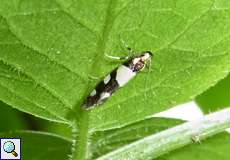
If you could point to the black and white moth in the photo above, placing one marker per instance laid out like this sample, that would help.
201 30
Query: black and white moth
116 79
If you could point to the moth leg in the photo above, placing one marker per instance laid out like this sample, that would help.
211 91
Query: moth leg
125 46
147 69
117 58
148 65
91 77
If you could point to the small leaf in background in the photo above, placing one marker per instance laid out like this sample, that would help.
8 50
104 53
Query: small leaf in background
216 147
55 128
41 146
14 120
216 97
103 142
11 119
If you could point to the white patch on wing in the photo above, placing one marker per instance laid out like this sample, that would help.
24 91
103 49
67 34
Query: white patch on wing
124 74
104 95
107 79
136 60
93 93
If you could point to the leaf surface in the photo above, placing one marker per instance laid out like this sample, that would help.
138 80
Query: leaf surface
50 49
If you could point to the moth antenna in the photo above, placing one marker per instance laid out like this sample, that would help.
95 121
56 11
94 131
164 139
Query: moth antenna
147 78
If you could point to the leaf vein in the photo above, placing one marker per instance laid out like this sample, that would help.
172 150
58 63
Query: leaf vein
39 106
44 86
44 55
187 28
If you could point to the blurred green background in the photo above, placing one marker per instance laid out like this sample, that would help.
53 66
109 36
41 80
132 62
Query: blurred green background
11 120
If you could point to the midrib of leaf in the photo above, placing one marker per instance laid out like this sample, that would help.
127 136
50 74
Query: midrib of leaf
101 44
81 150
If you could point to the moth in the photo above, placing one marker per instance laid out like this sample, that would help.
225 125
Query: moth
117 79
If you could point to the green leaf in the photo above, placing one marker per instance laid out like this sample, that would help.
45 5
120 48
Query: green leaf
11 119
20 89
216 97
38 145
55 128
191 54
103 142
50 48
213 148
158 144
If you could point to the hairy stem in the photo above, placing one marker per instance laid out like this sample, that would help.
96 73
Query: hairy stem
155 145
81 147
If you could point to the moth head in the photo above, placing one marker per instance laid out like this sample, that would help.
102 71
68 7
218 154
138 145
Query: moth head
146 56
140 61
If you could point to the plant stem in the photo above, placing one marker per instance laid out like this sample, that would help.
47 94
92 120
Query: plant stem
81 147
155 145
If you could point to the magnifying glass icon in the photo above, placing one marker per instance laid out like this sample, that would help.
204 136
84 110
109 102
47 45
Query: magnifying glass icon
9 147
